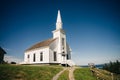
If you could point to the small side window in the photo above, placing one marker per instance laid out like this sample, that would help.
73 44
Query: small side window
55 56
41 56
34 57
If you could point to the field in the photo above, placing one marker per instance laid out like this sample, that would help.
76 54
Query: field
25 72
93 74
64 75
20 72
83 74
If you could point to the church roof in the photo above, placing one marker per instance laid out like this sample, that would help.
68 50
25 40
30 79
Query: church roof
41 44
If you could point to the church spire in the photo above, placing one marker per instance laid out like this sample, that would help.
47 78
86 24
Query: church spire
59 17
59 21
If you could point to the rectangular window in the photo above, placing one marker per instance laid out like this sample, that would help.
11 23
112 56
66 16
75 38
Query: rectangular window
55 56
67 57
41 56
63 41
28 56
34 57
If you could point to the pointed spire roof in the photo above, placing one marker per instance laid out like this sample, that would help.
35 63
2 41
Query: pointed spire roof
59 17
59 21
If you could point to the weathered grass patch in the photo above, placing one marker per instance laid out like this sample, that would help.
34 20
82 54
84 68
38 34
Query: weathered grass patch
12 72
64 75
83 74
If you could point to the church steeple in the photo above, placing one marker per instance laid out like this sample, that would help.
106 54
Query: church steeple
59 21
60 35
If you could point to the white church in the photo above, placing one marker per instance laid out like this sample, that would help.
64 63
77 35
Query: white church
52 51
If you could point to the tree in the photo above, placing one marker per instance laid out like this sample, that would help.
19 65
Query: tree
113 67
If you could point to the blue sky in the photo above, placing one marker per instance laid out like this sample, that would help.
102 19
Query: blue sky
92 27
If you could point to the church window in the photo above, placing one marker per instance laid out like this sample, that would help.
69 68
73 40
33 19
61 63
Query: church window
55 56
63 41
67 56
28 56
41 56
34 57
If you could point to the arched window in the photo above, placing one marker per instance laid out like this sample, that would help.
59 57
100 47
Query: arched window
41 56
55 56
34 57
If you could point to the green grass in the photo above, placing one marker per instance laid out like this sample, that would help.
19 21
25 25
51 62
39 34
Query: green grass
64 75
83 74
13 72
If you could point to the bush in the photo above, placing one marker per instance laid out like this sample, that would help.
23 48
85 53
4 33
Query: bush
13 62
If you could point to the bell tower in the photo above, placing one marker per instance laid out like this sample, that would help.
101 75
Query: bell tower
60 34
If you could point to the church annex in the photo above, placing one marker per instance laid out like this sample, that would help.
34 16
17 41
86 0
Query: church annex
52 51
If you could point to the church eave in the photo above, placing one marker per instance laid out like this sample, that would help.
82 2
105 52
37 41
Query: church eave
36 49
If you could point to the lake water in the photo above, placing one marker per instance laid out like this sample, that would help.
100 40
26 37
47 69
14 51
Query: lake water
97 66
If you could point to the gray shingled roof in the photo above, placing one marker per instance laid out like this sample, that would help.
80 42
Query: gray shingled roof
41 44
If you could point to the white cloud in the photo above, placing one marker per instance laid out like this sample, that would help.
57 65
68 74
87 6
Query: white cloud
12 59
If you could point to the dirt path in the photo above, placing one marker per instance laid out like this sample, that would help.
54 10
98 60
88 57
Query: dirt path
71 75
58 74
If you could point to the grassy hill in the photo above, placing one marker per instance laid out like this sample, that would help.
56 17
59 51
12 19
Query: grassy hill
25 72
20 72
83 74
106 75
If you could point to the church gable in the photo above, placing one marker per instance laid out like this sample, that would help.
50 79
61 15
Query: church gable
54 45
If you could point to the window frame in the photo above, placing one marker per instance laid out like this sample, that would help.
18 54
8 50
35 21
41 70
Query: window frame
34 57
41 56
54 56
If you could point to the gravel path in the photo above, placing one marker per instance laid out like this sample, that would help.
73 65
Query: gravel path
71 75
58 74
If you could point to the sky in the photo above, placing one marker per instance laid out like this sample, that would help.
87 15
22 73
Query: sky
92 27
